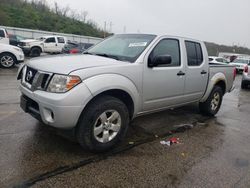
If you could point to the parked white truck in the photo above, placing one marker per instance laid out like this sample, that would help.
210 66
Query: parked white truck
98 93
47 44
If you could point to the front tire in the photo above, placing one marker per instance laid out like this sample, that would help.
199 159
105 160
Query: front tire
103 124
35 52
212 105
7 60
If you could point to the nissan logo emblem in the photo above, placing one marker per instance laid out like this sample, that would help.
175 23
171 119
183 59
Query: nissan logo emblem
29 75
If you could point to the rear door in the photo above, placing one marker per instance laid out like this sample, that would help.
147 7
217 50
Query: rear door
50 45
163 85
60 43
197 68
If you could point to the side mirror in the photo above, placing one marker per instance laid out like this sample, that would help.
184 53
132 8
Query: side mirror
160 60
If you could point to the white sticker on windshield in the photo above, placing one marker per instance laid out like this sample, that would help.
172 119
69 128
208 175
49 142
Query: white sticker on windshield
138 44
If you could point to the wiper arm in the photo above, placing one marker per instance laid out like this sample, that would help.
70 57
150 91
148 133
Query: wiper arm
88 53
107 55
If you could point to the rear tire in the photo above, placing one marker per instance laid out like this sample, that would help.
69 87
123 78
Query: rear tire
212 105
103 124
35 52
7 60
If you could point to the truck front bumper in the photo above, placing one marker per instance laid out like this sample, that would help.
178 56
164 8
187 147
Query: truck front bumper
57 110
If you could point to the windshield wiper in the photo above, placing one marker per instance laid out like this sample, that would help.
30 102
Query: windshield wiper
107 55
88 53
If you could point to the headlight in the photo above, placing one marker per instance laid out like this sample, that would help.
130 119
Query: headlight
63 83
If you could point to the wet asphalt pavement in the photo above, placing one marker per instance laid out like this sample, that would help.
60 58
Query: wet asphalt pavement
215 152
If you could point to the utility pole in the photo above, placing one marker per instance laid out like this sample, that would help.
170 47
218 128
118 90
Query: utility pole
124 29
110 27
104 31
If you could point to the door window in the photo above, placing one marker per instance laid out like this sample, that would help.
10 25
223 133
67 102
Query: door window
194 53
60 40
167 47
50 40
2 34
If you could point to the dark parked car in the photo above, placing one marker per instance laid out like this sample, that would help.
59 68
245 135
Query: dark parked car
75 48
15 39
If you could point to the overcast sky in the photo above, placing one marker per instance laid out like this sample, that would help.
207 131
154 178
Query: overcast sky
220 21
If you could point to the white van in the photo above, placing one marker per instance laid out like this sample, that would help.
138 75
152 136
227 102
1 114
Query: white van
4 38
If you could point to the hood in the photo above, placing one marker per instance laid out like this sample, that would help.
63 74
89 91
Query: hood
64 64
29 40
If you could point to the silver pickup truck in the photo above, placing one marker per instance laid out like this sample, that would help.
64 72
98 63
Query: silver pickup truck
99 92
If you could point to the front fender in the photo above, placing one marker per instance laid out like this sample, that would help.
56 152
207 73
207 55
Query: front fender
213 81
101 83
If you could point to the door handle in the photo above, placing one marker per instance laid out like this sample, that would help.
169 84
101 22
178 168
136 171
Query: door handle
203 72
180 73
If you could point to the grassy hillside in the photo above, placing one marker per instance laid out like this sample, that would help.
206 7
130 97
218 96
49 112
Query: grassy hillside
38 15
214 49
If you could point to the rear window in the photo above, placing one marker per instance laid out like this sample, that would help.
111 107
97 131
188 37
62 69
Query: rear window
194 53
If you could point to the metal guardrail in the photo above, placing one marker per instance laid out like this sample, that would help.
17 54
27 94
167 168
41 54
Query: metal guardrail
29 33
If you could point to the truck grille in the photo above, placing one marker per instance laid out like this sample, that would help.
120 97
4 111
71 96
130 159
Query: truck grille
34 79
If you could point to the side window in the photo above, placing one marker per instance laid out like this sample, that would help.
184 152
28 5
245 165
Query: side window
194 53
50 40
210 59
2 34
219 60
60 40
168 47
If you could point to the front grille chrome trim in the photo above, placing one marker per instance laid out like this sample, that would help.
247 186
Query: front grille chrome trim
38 80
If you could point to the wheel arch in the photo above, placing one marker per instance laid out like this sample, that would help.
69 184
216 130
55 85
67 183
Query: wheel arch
218 79
7 52
40 48
119 94
117 86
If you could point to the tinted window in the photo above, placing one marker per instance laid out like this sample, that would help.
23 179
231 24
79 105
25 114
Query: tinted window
60 40
50 40
219 60
194 53
210 59
168 47
2 34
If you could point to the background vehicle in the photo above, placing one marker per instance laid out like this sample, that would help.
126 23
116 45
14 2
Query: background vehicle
4 38
10 55
75 48
215 59
47 44
246 77
97 93
240 64
15 40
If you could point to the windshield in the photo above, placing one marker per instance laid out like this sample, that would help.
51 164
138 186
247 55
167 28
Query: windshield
242 61
124 47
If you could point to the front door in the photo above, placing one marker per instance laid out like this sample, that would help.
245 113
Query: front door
50 45
163 85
